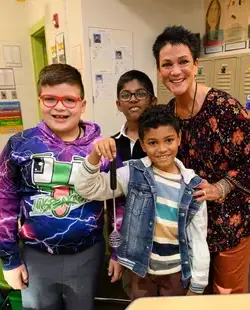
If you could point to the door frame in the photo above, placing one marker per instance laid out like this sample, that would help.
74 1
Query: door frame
39 56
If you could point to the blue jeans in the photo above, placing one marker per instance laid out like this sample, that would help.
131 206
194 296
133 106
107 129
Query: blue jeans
59 282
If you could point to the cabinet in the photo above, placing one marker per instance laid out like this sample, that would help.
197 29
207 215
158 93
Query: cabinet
225 71
205 72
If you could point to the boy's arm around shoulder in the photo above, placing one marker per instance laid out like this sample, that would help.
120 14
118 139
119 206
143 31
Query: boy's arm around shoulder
95 185
199 252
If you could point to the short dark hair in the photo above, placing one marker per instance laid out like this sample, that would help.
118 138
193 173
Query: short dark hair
140 76
58 74
176 35
155 116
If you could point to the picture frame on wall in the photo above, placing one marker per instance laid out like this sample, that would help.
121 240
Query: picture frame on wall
235 46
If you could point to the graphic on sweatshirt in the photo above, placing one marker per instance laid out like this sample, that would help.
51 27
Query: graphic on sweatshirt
55 181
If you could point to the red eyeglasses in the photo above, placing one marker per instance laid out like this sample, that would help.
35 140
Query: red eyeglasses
50 101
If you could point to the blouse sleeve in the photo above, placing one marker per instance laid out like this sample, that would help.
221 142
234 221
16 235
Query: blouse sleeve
234 130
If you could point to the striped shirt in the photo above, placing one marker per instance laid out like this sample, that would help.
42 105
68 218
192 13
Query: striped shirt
165 255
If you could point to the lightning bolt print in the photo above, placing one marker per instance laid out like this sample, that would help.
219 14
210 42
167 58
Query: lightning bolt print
38 203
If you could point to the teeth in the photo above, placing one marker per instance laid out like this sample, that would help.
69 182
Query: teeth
134 109
163 157
60 116
177 81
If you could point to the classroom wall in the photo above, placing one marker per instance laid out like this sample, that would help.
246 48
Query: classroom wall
70 23
146 19
14 31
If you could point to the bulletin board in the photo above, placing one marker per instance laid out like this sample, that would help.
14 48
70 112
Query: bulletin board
111 54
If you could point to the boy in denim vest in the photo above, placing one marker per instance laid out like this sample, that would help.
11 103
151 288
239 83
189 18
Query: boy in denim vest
163 233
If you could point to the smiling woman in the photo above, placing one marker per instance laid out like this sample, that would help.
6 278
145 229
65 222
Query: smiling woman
215 143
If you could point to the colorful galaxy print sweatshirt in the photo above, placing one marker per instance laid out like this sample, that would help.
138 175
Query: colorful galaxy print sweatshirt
38 203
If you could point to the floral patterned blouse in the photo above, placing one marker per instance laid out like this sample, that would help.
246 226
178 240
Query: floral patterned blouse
216 144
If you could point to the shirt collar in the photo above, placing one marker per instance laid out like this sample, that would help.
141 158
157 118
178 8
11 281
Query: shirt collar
187 174
123 133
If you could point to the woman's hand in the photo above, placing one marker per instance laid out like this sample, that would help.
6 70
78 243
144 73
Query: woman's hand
207 191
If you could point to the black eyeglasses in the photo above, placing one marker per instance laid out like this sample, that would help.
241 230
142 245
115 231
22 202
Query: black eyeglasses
140 94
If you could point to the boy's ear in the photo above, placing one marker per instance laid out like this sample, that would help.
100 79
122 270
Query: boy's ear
84 102
142 145
118 105
154 101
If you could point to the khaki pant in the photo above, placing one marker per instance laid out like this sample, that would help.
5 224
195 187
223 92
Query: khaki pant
229 270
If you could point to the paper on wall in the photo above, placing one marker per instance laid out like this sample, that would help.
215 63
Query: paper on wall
7 80
10 117
123 60
103 85
102 49
76 57
60 48
12 55
236 20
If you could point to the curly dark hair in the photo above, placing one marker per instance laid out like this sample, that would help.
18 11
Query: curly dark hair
155 116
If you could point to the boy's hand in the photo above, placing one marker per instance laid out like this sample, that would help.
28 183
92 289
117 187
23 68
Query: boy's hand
115 270
106 147
190 293
17 278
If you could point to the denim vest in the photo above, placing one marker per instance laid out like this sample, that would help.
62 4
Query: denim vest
137 228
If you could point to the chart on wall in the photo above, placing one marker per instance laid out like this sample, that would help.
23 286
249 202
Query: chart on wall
111 54
10 107
226 21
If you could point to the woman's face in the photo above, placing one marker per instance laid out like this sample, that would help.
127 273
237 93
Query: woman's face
177 68
213 14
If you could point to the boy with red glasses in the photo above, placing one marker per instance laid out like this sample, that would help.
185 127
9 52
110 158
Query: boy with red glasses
61 232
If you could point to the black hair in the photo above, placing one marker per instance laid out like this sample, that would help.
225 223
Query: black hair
155 116
176 35
141 77
58 74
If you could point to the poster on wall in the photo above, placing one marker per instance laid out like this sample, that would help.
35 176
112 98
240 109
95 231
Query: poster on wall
12 56
10 116
53 54
102 49
123 59
103 85
60 48
236 21
214 33
111 54
7 78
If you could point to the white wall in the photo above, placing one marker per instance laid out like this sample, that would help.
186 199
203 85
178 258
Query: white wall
70 23
146 19
14 30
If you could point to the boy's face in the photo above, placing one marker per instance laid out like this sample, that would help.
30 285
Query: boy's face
61 119
133 108
161 145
